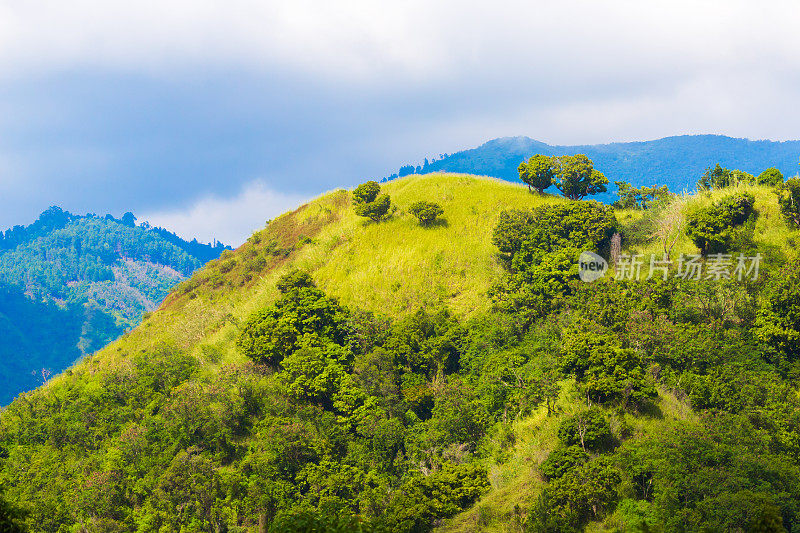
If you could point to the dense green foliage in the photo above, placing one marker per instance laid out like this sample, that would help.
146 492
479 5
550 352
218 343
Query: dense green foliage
716 228
540 249
71 284
789 201
576 177
537 172
778 321
771 177
370 203
426 212
652 405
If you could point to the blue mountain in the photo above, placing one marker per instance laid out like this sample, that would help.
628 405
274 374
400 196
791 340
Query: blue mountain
676 161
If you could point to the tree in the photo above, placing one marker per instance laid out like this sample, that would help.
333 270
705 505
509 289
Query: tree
537 172
426 212
420 500
789 200
715 178
606 371
366 192
370 203
585 493
303 314
644 197
772 177
129 219
576 177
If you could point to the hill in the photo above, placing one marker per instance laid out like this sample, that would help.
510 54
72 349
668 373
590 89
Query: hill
677 162
71 284
334 370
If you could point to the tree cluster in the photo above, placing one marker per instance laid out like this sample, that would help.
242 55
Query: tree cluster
644 197
574 175
368 201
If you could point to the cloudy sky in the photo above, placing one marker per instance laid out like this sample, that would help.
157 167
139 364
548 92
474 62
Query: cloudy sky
210 117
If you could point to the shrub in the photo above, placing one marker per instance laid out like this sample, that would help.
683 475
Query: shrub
789 201
772 177
589 429
714 229
562 460
366 192
369 203
426 212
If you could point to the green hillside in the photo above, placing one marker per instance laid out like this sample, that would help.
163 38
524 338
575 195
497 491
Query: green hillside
71 284
335 373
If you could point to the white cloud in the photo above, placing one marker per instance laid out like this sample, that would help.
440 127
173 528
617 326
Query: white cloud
326 94
229 220
413 41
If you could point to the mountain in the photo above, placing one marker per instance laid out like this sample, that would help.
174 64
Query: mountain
71 284
677 162
339 374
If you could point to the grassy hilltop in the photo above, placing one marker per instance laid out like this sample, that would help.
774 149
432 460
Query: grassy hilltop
416 421
392 267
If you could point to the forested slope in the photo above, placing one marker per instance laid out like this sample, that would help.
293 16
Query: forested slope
71 284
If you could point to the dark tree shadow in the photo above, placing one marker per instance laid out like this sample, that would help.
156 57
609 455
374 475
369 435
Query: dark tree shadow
438 223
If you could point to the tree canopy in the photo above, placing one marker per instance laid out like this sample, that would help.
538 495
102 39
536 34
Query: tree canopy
576 177
538 172
370 203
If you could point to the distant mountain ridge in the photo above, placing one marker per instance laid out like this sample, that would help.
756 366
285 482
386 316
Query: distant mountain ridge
676 161
70 284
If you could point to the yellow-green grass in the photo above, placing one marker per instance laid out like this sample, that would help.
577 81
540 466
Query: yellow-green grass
391 267
771 230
